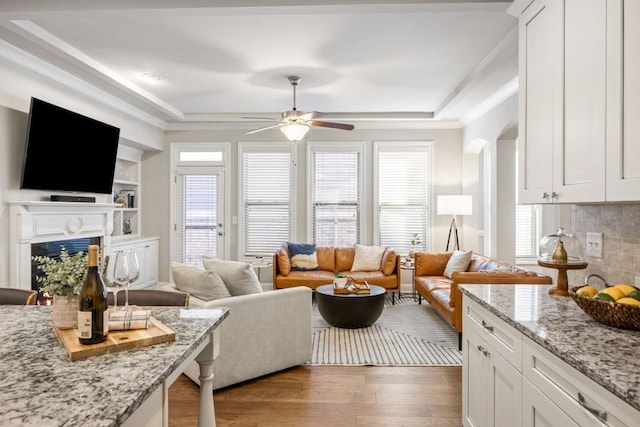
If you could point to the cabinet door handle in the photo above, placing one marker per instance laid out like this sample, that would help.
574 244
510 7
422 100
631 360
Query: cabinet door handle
486 326
545 195
600 414
481 348
486 353
554 195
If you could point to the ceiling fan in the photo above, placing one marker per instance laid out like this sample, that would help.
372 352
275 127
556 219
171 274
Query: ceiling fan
295 124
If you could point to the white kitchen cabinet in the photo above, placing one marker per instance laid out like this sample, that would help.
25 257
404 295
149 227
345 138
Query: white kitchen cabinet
492 385
581 399
539 411
563 77
508 379
623 101
147 250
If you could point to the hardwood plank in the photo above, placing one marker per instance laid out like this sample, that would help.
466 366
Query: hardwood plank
358 396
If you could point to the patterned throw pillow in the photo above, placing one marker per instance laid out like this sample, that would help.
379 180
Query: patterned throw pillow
303 256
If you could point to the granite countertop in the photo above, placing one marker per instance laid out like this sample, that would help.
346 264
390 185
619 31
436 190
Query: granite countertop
605 354
40 385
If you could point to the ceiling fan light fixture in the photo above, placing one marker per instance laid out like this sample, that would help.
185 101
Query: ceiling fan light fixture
295 131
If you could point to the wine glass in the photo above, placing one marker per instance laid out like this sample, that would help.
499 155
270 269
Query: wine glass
116 274
134 275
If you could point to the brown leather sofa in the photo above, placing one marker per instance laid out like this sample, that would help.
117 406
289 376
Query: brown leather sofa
331 260
443 294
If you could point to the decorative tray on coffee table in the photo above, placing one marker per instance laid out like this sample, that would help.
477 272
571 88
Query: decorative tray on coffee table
352 288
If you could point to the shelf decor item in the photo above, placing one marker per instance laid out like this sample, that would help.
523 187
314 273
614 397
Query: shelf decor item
63 279
561 251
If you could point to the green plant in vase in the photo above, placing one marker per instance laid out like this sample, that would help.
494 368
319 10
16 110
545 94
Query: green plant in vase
63 279
415 241
340 279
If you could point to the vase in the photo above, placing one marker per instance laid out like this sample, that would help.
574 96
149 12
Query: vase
65 312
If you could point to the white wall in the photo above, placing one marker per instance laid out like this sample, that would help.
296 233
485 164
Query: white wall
156 176
17 86
484 131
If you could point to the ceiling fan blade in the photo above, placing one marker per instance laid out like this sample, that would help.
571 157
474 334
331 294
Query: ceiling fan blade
261 118
333 125
312 115
264 128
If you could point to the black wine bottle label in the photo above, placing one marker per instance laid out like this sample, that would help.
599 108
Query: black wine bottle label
93 315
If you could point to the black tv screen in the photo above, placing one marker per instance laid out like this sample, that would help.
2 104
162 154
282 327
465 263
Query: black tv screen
66 151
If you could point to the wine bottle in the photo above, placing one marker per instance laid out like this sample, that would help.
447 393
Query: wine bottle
93 314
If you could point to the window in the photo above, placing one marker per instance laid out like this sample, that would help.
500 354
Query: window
527 232
266 198
403 194
335 195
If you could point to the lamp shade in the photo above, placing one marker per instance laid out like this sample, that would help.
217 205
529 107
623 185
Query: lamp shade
295 132
454 205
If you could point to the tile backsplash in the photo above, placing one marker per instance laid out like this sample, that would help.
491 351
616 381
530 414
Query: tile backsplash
620 226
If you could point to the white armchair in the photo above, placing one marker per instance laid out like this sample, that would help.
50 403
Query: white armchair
264 333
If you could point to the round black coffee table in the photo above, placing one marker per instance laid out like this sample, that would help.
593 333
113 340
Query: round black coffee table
350 310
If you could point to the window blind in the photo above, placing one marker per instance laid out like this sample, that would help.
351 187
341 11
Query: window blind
527 231
336 198
403 198
199 213
267 201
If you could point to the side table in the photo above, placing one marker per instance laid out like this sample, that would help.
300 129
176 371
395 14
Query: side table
410 267
259 264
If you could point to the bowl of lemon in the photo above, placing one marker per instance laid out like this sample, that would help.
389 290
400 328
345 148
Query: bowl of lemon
617 305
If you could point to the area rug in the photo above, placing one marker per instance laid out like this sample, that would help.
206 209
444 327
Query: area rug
406 334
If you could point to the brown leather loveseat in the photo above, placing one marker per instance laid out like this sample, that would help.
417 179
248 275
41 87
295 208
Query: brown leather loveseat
331 260
442 293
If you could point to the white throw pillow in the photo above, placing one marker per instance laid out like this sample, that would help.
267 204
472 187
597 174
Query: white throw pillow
367 258
200 283
240 277
459 261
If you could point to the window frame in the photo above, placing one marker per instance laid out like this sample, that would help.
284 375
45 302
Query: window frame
336 147
394 146
175 148
252 147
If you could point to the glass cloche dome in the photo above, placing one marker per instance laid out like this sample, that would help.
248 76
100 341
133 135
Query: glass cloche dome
560 247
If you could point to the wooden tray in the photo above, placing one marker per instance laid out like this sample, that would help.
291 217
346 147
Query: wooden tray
360 289
116 340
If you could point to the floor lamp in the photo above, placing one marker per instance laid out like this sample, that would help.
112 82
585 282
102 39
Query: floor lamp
454 205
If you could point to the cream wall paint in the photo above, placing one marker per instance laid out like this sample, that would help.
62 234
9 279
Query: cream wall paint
486 130
506 200
156 175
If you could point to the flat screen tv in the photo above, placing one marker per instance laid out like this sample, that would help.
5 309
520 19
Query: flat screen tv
66 151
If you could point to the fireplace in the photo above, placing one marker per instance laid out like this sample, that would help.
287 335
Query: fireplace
33 224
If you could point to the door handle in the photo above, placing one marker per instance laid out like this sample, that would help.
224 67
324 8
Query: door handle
220 233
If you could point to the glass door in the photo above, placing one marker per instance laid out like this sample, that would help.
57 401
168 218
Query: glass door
199 214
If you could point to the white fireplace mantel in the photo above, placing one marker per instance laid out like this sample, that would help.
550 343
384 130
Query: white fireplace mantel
41 221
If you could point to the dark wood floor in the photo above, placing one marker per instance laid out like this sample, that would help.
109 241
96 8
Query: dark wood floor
331 396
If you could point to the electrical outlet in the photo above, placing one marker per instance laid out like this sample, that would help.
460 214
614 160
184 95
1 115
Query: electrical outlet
594 245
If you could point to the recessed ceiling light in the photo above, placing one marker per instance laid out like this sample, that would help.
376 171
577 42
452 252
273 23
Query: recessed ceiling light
152 77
